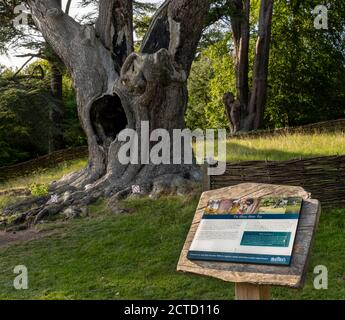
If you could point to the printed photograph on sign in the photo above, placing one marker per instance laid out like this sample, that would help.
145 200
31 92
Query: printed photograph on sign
253 206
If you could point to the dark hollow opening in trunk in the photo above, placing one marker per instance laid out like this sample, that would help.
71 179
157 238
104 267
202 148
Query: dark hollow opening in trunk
108 118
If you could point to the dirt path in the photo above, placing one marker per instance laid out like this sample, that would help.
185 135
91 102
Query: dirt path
10 238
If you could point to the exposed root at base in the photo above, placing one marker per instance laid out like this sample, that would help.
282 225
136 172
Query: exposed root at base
69 200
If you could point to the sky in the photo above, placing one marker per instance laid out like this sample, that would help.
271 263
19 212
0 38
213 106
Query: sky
11 60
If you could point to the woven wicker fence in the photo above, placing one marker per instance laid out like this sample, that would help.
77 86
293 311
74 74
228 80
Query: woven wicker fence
319 127
323 177
47 161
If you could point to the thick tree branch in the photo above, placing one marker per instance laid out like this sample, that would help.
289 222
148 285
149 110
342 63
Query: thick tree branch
57 28
158 34
68 6
78 47
114 27
177 26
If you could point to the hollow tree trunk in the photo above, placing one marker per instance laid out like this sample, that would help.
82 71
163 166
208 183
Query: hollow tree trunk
117 88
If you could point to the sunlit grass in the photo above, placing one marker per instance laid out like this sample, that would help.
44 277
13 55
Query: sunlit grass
6 201
285 147
44 176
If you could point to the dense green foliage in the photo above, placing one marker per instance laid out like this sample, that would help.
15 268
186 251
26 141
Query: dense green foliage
72 131
210 78
307 66
24 115
23 123
306 69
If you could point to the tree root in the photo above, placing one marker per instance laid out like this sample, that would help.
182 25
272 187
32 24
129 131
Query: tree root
69 193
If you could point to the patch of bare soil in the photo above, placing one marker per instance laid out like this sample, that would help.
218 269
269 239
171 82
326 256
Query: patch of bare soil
15 237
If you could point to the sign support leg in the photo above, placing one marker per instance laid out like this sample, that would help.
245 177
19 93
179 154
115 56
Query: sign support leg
247 291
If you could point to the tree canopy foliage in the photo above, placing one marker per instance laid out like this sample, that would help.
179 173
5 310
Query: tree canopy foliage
306 70
24 114
307 66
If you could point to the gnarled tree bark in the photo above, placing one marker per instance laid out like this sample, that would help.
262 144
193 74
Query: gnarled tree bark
240 32
260 72
252 102
117 88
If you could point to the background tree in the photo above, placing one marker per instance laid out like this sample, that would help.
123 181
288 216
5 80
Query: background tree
211 76
306 69
27 37
25 105
253 101
24 108
307 66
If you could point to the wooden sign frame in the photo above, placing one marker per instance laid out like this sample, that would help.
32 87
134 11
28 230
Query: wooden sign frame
254 280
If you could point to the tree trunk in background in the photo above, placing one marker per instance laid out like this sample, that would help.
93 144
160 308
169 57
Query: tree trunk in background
253 102
240 31
260 72
56 114
117 89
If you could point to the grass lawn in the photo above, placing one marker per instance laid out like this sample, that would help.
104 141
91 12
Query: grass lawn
134 256
286 147
40 176
45 176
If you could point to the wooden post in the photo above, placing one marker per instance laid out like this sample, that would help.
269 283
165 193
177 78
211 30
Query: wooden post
206 181
248 291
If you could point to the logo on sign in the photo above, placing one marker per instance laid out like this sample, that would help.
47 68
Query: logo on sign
278 259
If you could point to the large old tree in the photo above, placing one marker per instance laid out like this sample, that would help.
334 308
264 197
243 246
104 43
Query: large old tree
118 88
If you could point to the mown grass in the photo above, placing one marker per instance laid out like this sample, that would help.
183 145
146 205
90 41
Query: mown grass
134 256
